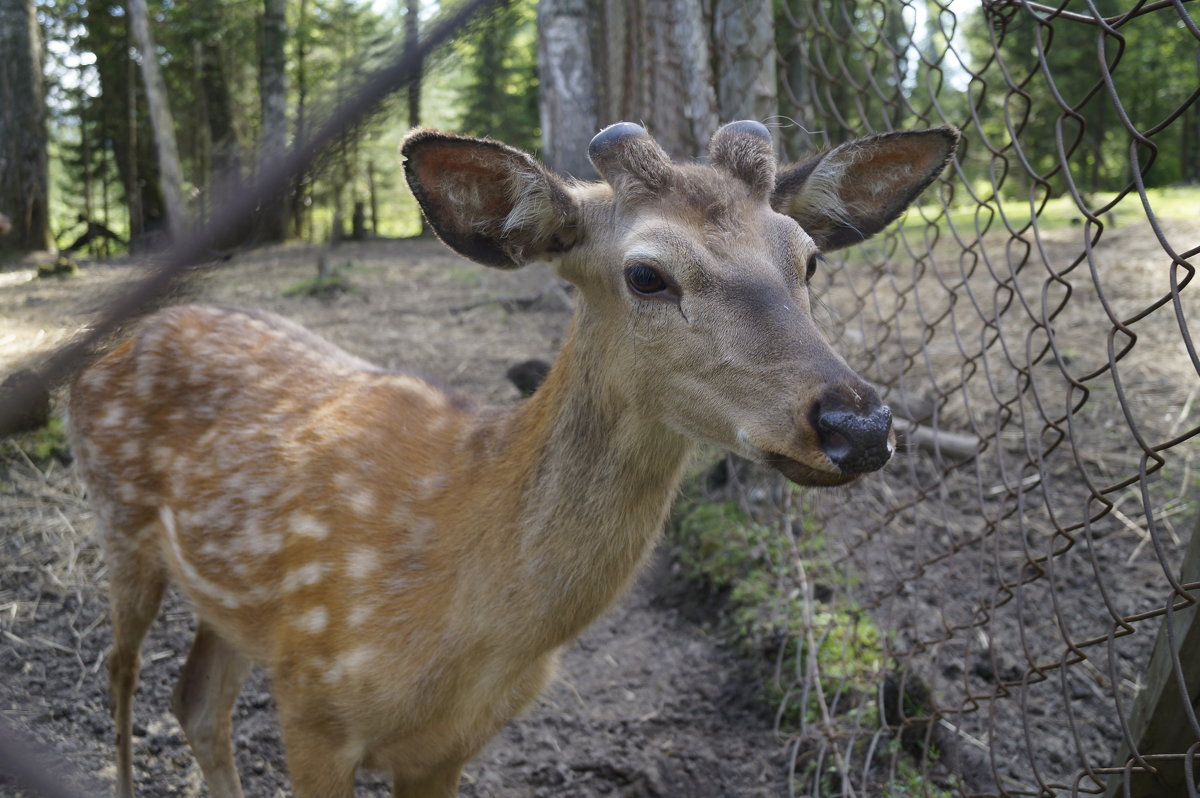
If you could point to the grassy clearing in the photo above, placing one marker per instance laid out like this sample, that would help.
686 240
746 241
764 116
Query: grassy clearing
1000 213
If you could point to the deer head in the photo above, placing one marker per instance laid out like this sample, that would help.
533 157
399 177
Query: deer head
694 306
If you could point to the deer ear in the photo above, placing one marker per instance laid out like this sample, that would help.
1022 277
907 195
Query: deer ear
487 201
853 191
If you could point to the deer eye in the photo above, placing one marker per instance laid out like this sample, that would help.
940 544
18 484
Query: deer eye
646 280
811 269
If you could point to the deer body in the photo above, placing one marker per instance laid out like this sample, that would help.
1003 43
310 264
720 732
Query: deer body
406 566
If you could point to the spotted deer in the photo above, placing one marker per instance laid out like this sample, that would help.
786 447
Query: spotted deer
406 567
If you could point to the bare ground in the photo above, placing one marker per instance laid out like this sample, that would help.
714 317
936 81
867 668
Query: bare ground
646 703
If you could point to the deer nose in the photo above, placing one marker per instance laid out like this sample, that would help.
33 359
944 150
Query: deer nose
854 441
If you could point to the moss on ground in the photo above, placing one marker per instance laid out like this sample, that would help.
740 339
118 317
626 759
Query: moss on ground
821 657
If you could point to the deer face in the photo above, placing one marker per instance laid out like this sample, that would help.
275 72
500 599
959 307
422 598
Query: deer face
694 278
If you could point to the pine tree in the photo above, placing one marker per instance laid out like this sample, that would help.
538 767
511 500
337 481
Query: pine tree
24 176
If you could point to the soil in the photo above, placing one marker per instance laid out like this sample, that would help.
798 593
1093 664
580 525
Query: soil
646 702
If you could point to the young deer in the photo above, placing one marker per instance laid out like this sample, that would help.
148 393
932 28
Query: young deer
407 567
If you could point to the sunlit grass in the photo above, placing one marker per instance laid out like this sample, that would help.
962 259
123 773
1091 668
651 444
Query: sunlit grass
998 214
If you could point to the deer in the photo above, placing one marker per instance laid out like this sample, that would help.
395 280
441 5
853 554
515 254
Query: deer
405 565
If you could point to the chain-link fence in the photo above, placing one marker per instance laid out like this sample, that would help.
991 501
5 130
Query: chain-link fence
1025 563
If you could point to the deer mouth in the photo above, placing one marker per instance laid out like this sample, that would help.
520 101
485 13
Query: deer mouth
806 475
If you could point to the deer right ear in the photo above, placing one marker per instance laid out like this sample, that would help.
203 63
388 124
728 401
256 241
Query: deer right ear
487 201
852 192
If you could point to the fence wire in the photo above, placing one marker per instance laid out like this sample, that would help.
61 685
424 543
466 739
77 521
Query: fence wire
1024 563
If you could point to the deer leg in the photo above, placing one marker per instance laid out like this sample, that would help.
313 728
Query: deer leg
441 784
320 764
203 700
134 596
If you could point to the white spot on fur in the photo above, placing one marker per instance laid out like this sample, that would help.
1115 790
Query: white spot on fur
314 621
128 493
95 380
304 576
431 485
305 525
161 457
257 542
362 562
359 614
350 663
114 416
362 501
401 516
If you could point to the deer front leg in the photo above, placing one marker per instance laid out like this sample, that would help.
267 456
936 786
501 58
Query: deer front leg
441 784
320 763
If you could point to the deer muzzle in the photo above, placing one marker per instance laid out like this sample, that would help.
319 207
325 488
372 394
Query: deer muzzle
854 428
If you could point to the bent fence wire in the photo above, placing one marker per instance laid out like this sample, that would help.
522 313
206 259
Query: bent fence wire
1020 579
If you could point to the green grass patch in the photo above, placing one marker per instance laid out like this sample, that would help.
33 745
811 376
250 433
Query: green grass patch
40 445
781 610
62 267
323 286
1001 213
756 568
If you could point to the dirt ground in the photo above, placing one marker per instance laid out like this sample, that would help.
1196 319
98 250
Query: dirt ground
646 702
1002 583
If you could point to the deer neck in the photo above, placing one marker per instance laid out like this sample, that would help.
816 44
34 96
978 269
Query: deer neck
600 480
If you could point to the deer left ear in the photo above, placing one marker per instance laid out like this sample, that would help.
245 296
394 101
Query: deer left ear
487 201
850 193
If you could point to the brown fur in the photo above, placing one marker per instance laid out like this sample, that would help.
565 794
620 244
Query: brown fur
405 567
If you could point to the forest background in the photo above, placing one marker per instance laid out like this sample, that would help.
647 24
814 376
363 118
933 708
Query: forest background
84 168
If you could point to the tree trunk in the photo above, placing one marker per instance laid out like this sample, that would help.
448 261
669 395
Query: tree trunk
674 75
120 131
299 196
226 159
24 177
412 32
568 96
743 36
160 116
795 83
273 97
646 61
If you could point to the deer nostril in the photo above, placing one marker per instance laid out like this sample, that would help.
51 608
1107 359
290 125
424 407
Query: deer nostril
856 443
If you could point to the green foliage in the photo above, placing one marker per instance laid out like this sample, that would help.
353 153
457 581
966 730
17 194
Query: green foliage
40 445
807 638
498 61
1046 80
755 566
62 267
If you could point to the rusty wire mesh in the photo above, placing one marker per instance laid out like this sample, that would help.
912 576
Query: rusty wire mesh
1030 324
